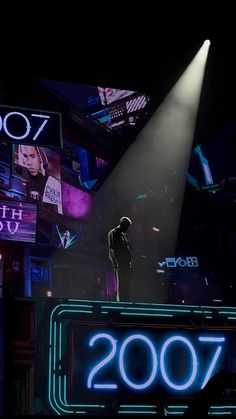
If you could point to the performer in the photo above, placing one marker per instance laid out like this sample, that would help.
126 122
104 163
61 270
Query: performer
120 256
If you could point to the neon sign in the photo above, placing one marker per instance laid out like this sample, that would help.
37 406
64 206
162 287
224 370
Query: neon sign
29 126
164 364
95 361
180 262
18 221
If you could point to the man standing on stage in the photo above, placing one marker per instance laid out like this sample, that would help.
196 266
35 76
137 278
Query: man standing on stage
120 256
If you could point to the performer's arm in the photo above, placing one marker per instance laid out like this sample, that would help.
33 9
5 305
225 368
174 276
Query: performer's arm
111 251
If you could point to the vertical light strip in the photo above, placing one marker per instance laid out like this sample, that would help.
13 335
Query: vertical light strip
60 341
54 346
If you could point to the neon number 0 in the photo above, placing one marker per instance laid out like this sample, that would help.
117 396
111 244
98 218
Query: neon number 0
20 137
104 362
154 359
194 366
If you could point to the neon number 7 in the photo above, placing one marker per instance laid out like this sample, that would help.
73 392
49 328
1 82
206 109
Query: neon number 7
102 363
46 117
215 357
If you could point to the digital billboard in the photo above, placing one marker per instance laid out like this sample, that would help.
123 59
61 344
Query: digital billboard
18 221
75 202
30 126
39 167
64 238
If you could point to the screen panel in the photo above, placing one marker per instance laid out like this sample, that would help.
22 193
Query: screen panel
39 169
18 221
66 239
30 126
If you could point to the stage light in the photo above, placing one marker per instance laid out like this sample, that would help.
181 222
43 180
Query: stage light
157 162
207 43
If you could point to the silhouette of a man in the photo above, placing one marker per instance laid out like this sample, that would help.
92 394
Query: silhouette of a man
120 257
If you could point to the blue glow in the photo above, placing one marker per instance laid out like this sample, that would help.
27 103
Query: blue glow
176 412
212 366
181 310
139 405
106 386
227 312
147 314
202 311
205 165
60 392
224 407
153 364
211 339
71 239
79 405
54 345
60 346
194 363
74 311
54 397
65 398
141 196
105 361
77 305
49 383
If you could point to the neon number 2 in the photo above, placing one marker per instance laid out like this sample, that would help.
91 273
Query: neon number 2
215 357
102 363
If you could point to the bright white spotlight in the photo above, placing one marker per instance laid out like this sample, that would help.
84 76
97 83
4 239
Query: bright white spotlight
207 42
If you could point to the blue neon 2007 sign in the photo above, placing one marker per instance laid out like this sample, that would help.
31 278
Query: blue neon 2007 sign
91 361
120 356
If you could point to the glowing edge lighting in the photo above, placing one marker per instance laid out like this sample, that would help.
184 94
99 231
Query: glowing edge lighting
58 405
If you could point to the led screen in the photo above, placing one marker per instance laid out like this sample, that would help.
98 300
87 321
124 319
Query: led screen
39 168
75 202
64 238
82 168
18 221
30 126
110 107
